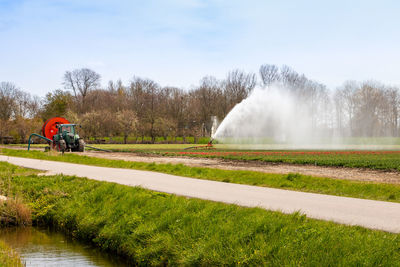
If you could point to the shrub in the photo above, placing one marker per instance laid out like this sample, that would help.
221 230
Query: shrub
14 213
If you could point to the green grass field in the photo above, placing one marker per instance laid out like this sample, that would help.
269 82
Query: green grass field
377 191
151 228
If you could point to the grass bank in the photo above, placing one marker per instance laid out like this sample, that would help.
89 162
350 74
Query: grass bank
376 191
8 257
298 182
152 228
13 212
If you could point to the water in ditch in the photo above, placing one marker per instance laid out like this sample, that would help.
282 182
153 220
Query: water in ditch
45 247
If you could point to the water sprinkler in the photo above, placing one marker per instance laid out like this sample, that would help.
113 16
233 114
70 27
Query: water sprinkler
208 146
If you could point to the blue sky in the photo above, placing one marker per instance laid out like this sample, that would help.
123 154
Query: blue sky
177 42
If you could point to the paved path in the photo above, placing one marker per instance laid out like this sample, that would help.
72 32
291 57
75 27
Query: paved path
367 213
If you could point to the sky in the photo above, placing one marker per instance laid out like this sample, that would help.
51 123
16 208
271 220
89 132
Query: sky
177 42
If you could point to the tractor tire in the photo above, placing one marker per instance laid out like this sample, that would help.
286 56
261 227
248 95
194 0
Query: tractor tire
81 145
62 146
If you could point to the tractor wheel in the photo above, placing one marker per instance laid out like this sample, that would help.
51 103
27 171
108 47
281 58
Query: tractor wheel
81 145
62 146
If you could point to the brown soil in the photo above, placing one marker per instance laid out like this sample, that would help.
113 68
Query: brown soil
281 168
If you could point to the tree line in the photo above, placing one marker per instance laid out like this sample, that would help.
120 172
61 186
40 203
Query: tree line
143 108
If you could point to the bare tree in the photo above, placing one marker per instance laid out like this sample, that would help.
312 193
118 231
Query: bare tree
144 98
204 104
127 122
239 84
288 75
392 95
338 100
8 93
116 87
269 74
25 105
294 81
25 126
346 94
164 127
15 102
81 81
91 124
176 109
368 102
4 129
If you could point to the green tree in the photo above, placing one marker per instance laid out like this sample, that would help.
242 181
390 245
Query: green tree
56 103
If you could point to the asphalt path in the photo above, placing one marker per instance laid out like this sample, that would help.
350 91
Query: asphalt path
352 211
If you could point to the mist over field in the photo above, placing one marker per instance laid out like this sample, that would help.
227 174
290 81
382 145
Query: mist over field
293 112
273 112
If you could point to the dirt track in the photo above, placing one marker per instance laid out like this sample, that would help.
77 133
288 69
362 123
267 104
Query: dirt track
331 172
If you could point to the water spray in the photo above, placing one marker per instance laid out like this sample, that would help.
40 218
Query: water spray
274 115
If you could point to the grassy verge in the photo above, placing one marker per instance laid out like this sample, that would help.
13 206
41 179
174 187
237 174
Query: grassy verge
386 192
153 228
8 257
12 212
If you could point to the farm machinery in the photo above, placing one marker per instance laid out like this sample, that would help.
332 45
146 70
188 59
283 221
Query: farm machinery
61 135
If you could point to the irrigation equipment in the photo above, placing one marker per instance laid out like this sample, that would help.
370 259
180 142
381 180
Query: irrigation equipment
208 146
62 136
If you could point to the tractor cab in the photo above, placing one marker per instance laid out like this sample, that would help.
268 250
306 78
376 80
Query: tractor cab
69 128
66 129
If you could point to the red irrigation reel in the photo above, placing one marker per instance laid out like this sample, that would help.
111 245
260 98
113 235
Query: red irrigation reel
49 128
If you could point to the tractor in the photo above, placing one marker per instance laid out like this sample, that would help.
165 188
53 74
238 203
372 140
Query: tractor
61 135
67 139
